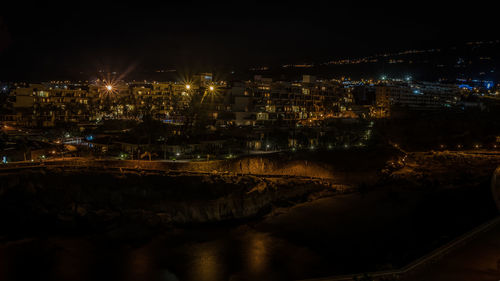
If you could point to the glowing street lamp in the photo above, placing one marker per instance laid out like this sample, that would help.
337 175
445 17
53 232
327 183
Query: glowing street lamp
211 91
109 88
188 86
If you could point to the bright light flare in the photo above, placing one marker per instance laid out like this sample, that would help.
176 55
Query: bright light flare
211 93
188 87
109 88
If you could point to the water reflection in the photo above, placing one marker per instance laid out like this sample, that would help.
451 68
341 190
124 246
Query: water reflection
72 259
305 242
257 253
206 262
140 264
3 264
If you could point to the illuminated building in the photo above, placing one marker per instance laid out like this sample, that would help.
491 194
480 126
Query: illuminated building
416 96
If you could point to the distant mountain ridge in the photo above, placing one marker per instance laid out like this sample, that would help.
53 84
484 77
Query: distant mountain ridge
471 60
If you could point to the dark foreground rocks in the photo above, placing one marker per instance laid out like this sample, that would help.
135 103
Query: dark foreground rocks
52 197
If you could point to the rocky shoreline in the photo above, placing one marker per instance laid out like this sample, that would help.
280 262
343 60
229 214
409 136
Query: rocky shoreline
97 198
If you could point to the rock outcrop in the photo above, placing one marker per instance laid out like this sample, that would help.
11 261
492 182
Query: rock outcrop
95 197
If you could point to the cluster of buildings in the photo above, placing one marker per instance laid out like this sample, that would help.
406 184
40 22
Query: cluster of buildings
36 119
261 101
255 102
414 96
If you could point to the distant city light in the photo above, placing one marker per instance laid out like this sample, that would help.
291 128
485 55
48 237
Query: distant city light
211 88
465 86
109 88
188 86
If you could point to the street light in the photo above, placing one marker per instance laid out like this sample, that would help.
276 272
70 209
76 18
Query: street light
211 92
109 88
188 86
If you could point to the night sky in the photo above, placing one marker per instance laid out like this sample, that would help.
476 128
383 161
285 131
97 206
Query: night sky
38 41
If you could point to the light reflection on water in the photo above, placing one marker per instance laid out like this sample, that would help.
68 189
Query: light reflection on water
257 253
206 262
328 236
140 264
71 260
226 254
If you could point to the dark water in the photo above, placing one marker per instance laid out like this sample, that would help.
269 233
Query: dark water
344 234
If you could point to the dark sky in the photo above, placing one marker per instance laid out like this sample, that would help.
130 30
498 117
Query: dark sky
55 39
